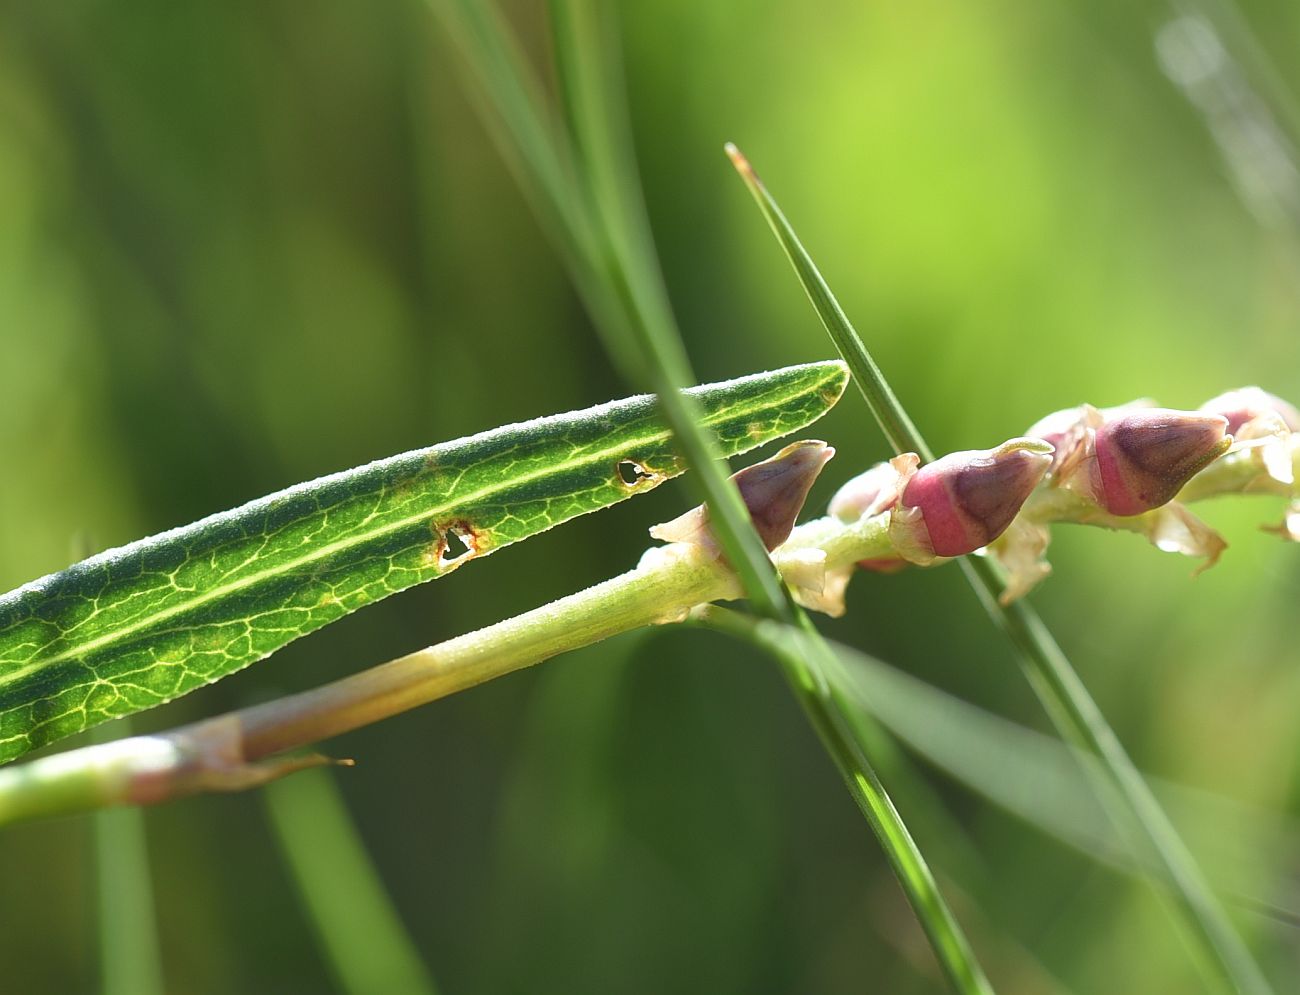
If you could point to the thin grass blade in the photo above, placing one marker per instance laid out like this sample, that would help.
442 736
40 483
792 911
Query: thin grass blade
807 660
622 290
1042 780
592 87
1135 811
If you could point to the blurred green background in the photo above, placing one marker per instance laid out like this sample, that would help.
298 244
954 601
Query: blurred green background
246 244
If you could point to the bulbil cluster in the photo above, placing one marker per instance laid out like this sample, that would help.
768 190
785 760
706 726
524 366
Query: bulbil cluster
1127 468
1119 468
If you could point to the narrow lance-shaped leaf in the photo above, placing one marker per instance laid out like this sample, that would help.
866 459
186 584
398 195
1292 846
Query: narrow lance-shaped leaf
137 626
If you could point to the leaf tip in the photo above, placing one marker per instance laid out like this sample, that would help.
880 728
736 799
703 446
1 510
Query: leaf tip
838 382
741 163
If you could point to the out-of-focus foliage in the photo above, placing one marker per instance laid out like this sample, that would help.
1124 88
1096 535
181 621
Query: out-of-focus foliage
245 245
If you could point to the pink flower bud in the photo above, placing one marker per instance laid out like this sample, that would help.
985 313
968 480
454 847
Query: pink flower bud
1248 405
1143 458
965 500
1262 426
774 491
1067 431
868 494
1064 430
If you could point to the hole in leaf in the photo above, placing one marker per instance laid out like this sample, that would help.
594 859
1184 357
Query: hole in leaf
457 544
633 473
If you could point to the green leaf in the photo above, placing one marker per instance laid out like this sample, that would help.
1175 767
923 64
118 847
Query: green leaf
137 626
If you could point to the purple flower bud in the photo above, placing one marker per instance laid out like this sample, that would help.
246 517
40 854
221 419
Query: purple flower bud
774 491
1143 458
965 500
1251 404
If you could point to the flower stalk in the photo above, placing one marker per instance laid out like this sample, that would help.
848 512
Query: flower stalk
247 748
978 491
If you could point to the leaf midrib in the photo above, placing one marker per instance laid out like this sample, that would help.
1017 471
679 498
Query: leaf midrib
324 552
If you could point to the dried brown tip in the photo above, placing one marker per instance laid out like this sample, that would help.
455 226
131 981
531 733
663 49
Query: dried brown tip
739 161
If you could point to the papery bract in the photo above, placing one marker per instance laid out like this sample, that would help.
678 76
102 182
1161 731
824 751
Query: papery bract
1247 404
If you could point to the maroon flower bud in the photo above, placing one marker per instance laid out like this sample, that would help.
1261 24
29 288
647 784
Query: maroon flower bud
774 491
965 500
1143 458
1248 405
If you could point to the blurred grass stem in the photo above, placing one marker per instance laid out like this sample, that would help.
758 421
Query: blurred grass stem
623 256
129 954
358 928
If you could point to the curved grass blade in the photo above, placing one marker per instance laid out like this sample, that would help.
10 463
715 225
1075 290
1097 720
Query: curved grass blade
1212 938
583 188
1045 782
137 626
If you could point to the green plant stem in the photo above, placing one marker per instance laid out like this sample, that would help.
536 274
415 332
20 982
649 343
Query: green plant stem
1136 813
889 413
1127 797
239 750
